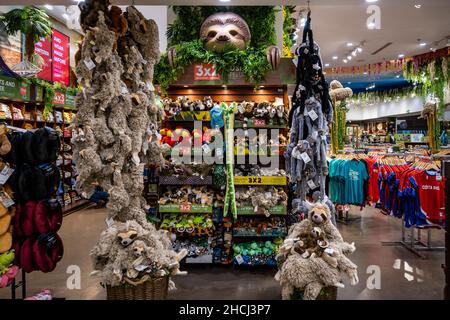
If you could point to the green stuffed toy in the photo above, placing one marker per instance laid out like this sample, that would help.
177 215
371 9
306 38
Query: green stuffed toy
254 246
6 259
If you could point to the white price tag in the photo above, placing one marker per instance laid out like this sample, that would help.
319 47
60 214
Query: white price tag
5 174
89 64
109 222
329 251
305 157
124 90
6 200
140 267
219 152
239 259
268 195
313 115
311 184
150 86
206 148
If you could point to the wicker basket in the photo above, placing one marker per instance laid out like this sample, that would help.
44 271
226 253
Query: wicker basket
144 289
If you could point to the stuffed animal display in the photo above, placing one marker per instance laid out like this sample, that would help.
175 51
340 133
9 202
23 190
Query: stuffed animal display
255 170
254 227
273 113
261 198
182 103
187 195
115 132
309 117
189 224
256 253
314 256
195 247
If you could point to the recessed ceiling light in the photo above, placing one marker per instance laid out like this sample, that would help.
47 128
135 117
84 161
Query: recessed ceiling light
349 57
359 49
423 44
349 44
335 57
345 60
224 0
327 64
48 7
432 49
365 72
354 53
417 6
401 55
371 1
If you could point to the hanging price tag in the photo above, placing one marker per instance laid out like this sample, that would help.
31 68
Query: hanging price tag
313 115
124 90
109 222
206 148
311 184
6 200
89 63
219 152
305 157
239 259
150 86
5 174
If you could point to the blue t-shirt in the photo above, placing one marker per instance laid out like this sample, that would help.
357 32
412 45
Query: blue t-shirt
355 173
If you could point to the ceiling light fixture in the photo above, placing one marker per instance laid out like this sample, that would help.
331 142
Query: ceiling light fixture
48 7
327 64
224 0
417 6
365 72
354 53
349 57
371 1
335 57
401 55
345 60
359 49
349 44
423 44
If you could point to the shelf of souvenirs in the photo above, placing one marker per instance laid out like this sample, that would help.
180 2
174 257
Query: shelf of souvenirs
256 253
249 210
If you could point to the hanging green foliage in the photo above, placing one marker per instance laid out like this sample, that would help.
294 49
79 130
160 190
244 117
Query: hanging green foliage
341 114
432 75
368 98
288 30
183 34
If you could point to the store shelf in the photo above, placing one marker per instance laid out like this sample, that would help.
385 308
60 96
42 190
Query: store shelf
237 236
249 210
260 180
193 180
191 232
206 258
184 208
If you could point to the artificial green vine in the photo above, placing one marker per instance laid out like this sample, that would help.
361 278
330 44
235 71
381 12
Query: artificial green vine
341 115
387 95
288 30
183 34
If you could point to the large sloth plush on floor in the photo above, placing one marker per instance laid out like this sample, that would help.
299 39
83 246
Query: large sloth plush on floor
116 120
313 273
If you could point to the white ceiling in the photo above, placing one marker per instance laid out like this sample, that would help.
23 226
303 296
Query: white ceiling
336 22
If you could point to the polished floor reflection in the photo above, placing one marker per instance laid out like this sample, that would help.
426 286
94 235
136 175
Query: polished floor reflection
385 272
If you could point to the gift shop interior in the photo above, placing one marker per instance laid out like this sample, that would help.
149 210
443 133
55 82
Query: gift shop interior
229 149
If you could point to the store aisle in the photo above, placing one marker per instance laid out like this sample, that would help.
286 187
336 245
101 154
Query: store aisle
403 275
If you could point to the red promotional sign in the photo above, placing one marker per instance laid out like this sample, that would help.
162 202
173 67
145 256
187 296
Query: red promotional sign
205 72
60 52
43 48
59 98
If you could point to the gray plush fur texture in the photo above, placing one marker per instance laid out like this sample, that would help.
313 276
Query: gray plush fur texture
314 272
116 119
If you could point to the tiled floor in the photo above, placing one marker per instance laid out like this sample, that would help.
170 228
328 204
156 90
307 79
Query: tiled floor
403 275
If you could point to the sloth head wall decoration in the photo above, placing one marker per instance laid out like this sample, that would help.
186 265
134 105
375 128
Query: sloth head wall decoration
225 29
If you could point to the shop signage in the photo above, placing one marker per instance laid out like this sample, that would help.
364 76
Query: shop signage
70 101
11 88
205 72
59 98
44 47
60 53
260 180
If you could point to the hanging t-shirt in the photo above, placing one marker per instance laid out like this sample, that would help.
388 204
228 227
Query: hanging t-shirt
431 195
373 192
355 173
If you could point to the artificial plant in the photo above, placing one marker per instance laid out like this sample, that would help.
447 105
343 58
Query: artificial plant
183 36
33 22
288 30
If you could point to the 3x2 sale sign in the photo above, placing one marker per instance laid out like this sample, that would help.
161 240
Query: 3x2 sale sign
205 72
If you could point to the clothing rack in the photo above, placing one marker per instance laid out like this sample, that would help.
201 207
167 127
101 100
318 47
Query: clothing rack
413 244
21 284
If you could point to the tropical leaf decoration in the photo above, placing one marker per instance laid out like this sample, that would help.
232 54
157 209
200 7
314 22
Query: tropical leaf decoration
33 22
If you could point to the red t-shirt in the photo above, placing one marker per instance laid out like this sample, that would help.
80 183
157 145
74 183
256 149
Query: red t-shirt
373 190
431 195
